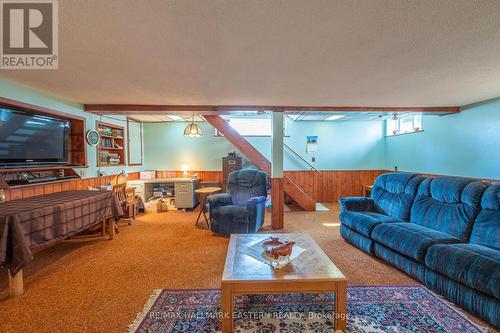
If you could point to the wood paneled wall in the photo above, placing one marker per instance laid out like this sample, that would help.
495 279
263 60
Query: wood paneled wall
327 186
331 185
27 191
215 176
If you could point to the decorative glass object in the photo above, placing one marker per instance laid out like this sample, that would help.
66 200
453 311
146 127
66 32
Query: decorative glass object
274 252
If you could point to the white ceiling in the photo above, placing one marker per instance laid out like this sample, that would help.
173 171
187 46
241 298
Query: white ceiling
280 52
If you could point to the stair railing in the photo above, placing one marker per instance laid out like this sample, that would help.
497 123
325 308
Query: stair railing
303 159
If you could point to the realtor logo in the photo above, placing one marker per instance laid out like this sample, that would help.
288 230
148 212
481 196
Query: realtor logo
29 34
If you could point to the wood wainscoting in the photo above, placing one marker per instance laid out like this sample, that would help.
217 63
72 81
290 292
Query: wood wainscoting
213 176
26 191
327 186
331 185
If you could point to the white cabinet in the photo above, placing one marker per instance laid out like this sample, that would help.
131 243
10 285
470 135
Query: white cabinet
184 190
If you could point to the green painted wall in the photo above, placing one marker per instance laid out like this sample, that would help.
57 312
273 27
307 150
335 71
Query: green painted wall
25 94
464 144
341 145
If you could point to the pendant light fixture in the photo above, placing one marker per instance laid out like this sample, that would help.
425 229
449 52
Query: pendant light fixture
395 117
193 130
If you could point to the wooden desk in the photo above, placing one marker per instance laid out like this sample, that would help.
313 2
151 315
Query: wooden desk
310 272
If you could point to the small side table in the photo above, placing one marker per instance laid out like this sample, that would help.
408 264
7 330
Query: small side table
367 190
203 194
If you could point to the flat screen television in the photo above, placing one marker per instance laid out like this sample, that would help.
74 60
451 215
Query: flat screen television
31 139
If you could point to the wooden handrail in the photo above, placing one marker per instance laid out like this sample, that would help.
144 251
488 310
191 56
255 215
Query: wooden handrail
303 159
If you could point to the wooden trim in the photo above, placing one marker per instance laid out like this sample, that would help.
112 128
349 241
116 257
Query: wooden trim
37 109
128 143
77 152
121 152
65 167
215 109
278 203
30 190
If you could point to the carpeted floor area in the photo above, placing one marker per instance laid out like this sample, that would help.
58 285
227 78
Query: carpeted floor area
99 286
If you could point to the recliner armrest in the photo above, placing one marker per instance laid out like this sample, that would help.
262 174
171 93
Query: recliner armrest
356 204
254 201
219 199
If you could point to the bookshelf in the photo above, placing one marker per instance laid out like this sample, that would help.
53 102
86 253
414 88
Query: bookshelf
111 149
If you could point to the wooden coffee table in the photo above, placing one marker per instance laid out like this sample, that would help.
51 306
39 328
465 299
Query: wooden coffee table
310 272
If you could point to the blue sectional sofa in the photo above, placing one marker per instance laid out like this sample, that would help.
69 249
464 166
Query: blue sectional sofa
443 231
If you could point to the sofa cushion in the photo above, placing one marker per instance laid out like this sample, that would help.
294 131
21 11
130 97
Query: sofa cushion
472 300
393 193
364 222
448 205
473 265
411 240
486 229
362 242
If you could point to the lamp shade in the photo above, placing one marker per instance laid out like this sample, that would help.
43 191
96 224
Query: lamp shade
184 167
193 130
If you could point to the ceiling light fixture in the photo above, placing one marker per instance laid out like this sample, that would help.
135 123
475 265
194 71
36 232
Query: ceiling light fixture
193 130
175 118
334 117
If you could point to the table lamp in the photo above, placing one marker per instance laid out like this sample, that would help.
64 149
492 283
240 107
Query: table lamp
185 169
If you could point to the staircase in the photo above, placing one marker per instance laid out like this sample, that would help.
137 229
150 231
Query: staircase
290 188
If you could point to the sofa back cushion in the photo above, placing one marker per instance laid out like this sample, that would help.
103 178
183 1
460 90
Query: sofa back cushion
393 193
448 204
486 229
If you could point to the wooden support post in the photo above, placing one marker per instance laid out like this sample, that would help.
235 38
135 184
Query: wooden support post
278 202
111 228
277 194
16 287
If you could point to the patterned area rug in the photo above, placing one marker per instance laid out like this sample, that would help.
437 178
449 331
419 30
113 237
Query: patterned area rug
370 309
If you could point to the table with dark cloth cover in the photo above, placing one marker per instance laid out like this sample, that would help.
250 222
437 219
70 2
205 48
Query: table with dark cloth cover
32 222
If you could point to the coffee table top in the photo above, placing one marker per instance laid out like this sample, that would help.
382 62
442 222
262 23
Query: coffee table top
311 265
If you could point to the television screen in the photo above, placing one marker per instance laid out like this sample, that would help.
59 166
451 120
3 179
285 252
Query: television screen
27 138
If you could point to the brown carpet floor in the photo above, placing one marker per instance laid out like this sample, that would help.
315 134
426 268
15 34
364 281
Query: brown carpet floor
100 285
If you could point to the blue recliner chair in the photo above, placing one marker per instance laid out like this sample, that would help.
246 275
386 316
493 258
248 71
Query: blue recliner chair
241 210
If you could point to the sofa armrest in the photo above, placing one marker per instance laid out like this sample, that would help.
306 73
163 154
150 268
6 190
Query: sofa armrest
356 204
219 199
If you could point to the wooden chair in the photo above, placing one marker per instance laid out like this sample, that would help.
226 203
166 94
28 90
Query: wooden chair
125 199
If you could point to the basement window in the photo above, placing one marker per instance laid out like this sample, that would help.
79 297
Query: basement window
404 125
251 126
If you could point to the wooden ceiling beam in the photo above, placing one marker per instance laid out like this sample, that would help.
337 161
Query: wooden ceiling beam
215 109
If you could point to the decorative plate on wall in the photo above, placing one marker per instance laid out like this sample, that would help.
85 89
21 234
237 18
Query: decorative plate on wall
93 137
